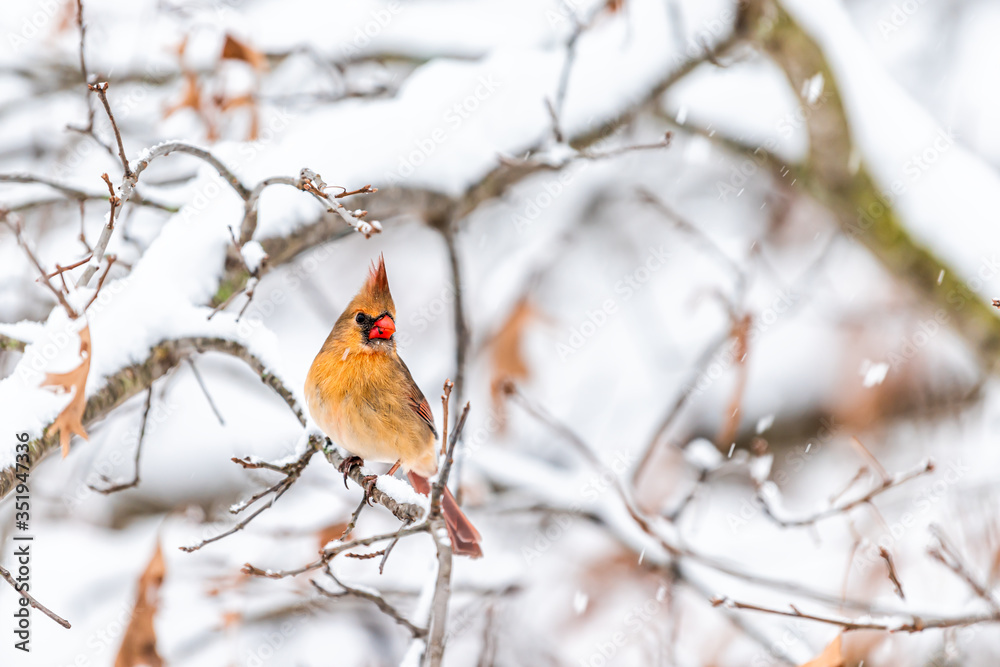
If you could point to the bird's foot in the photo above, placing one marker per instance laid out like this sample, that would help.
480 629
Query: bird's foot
368 484
347 464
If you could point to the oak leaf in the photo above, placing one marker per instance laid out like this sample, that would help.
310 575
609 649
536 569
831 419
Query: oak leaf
139 644
70 419
506 357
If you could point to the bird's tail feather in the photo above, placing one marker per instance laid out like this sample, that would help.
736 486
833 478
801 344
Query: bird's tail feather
465 538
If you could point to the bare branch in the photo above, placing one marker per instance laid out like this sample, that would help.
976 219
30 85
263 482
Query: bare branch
292 471
906 624
378 600
893 576
888 482
121 486
402 511
101 88
15 226
32 601
100 282
328 553
205 392
948 555
169 147
133 379
584 449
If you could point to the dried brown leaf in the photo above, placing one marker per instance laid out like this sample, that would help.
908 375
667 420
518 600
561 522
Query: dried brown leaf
191 98
70 419
506 357
330 533
250 101
139 644
234 49
830 657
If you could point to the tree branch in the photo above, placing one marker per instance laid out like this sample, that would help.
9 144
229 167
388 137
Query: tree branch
32 601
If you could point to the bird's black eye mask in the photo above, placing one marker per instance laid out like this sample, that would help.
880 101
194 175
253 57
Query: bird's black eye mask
376 328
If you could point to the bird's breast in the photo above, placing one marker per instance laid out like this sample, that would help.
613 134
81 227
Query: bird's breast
357 401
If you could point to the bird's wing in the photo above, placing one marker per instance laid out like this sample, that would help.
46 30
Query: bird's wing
417 401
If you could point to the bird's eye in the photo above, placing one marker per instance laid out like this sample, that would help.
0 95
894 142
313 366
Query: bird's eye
359 318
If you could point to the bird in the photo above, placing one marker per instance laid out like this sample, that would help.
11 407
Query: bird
363 397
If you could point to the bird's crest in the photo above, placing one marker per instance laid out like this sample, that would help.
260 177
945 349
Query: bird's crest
378 281
375 298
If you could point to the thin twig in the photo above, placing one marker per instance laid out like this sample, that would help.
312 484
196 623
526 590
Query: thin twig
15 226
886 478
676 408
378 600
71 193
948 556
83 58
100 282
583 448
62 269
204 390
448 386
349 528
692 230
893 576
889 482
390 546
292 471
101 88
138 452
32 601
328 553
910 624
109 228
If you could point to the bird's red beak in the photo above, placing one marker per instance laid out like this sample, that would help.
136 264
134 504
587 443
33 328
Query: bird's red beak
383 327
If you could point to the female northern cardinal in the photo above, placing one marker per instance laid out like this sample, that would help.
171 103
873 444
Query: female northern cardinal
362 395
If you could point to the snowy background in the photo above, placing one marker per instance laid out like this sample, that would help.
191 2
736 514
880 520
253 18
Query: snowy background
701 313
